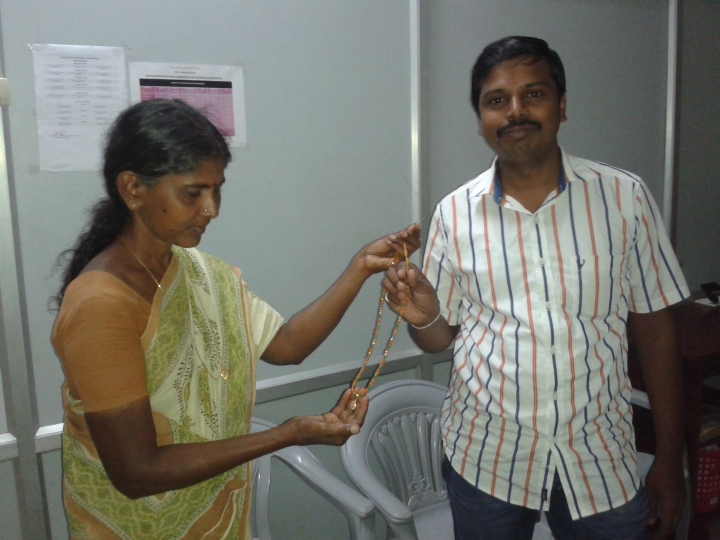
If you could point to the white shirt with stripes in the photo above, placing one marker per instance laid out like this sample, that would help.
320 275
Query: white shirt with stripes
539 381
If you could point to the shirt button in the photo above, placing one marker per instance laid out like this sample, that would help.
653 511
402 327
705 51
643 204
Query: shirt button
541 262
536 219
548 306
554 440
555 396
552 350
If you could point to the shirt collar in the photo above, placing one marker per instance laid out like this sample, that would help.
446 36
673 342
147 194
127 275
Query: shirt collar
489 182
497 191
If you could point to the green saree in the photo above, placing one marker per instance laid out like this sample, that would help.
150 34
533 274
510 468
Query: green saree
201 380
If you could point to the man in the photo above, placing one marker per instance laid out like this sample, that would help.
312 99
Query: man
531 271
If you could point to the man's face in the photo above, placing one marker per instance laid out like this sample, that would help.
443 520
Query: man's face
520 113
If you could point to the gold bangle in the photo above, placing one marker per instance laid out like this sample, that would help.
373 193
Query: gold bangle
427 325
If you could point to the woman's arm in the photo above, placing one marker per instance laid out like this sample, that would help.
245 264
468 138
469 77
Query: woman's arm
308 328
126 442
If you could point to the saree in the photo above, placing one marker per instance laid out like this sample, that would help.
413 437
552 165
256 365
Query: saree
201 384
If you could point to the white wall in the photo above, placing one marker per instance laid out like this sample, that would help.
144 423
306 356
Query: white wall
327 165
615 55
698 195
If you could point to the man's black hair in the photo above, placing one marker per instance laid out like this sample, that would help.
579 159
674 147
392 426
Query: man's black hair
507 49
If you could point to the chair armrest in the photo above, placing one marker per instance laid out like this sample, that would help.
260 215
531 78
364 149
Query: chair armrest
359 510
388 504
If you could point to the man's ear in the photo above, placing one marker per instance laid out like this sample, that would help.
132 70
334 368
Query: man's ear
130 189
563 105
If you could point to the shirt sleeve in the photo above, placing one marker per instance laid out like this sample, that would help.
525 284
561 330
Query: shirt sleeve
656 280
263 320
438 270
98 342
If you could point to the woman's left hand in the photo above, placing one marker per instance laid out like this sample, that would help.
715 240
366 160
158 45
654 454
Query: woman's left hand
384 252
334 427
351 410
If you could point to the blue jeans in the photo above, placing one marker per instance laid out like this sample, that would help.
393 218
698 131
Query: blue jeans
479 516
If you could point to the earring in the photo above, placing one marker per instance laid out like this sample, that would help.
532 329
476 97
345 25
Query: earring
206 210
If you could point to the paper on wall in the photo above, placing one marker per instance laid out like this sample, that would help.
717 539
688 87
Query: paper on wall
216 91
79 90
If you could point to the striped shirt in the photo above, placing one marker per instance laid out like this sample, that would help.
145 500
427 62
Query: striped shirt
539 381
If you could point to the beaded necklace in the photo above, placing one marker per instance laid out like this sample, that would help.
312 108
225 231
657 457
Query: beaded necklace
360 392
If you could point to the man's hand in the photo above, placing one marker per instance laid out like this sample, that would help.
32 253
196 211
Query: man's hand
409 291
665 486
654 338
408 287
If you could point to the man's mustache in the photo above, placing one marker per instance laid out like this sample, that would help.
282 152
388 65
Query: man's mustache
504 129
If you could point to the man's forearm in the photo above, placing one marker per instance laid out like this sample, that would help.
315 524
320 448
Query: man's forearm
656 342
434 338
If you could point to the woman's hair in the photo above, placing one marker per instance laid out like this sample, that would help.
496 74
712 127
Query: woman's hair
152 139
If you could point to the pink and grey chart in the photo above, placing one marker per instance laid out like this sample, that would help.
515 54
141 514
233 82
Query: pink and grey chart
213 98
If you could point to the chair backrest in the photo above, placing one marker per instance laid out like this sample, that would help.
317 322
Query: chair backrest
402 429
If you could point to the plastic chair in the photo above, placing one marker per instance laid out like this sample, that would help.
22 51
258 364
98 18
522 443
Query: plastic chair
358 510
402 428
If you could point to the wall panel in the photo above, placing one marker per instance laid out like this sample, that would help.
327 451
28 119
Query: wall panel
615 56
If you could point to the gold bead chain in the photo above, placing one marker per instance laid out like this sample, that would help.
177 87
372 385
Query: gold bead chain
360 392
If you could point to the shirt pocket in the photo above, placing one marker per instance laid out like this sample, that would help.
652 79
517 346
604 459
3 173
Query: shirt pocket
595 286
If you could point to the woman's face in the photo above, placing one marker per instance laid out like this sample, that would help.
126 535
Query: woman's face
180 206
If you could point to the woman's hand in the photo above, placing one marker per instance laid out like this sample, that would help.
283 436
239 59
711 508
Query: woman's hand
334 427
410 286
388 250
308 328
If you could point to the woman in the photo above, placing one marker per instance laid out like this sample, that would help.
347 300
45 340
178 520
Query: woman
158 343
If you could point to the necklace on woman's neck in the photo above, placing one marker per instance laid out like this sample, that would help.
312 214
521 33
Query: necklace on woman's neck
142 263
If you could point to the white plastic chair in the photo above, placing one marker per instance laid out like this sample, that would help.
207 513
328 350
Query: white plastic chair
402 428
358 510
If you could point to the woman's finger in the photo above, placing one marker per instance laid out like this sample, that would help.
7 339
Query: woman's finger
358 415
406 239
342 403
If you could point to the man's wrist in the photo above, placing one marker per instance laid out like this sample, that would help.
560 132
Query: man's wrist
428 325
672 454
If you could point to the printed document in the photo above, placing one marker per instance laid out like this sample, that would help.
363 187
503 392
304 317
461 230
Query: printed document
79 90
